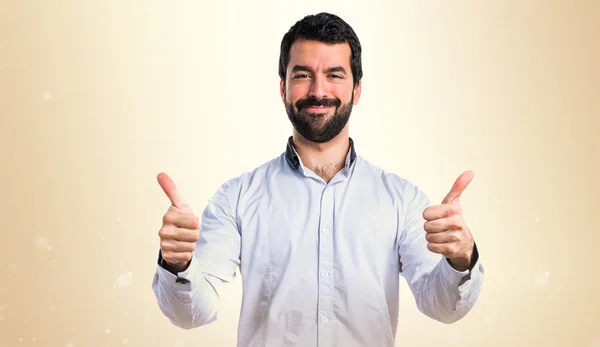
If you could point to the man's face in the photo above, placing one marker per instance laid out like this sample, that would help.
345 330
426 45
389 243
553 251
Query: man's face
319 92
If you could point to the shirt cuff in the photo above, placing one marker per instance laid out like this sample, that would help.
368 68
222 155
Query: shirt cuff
172 276
455 277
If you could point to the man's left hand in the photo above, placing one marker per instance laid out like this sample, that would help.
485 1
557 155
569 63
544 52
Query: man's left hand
446 231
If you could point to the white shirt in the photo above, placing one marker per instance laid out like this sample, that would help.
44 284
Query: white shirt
320 263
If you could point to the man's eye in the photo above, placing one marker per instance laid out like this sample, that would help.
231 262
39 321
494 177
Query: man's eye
335 76
301 76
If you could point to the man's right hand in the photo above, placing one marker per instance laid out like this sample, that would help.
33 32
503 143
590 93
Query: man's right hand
180 229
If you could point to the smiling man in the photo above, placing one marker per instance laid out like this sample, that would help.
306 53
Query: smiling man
321 236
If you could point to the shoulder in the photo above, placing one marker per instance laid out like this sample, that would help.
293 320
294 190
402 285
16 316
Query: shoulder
398 186
232 188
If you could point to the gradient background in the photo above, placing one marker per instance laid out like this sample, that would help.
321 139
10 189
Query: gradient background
97 97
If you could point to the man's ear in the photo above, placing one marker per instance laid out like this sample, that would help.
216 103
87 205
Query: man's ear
282 90
356 91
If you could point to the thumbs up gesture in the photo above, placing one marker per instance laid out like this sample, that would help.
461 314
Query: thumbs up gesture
179 232
446 231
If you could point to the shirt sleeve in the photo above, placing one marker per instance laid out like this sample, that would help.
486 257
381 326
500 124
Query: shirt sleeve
441 292
190 298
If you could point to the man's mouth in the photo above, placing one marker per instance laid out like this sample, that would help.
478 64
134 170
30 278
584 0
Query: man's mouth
317 109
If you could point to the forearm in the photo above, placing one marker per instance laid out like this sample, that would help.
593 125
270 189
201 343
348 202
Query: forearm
189 299
446 294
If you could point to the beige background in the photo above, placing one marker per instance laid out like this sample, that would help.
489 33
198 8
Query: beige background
97 97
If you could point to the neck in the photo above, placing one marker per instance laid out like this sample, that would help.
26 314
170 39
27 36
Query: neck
324 159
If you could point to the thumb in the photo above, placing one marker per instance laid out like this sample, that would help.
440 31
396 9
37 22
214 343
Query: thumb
168 186
459 186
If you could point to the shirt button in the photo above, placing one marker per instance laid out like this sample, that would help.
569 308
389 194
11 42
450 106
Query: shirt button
324 273
326 231
324 319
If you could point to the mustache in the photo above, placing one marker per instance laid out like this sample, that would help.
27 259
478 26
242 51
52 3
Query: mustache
302 103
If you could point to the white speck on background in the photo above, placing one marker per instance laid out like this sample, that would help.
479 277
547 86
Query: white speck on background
537 219
24 321
53 261
125 341
547 274
107 331
487 318
542 281
20 339
42 242
49 248
524 330
12 268
123 280
119 219
70 344
47 96
33 339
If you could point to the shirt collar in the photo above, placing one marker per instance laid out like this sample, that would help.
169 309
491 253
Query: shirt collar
293 158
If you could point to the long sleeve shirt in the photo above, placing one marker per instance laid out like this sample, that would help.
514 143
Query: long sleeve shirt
320 262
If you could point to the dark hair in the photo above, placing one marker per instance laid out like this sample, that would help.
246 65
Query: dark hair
322 27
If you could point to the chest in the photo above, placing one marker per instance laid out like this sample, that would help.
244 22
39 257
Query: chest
306 226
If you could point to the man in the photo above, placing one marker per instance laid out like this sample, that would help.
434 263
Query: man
321 236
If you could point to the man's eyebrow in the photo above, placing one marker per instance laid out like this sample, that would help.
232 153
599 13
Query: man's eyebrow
298 68
336 69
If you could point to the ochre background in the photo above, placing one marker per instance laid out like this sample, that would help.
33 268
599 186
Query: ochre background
97 97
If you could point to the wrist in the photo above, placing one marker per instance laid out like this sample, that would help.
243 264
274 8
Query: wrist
172 268
466 261
175 268
459 264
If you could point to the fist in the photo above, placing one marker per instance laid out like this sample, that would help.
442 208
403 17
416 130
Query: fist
179 232
446 230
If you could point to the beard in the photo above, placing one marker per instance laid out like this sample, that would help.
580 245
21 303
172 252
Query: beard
318 127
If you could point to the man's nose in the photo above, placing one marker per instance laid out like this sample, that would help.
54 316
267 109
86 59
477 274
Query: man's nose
318 88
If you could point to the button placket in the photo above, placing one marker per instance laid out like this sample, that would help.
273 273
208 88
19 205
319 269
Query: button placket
325 267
